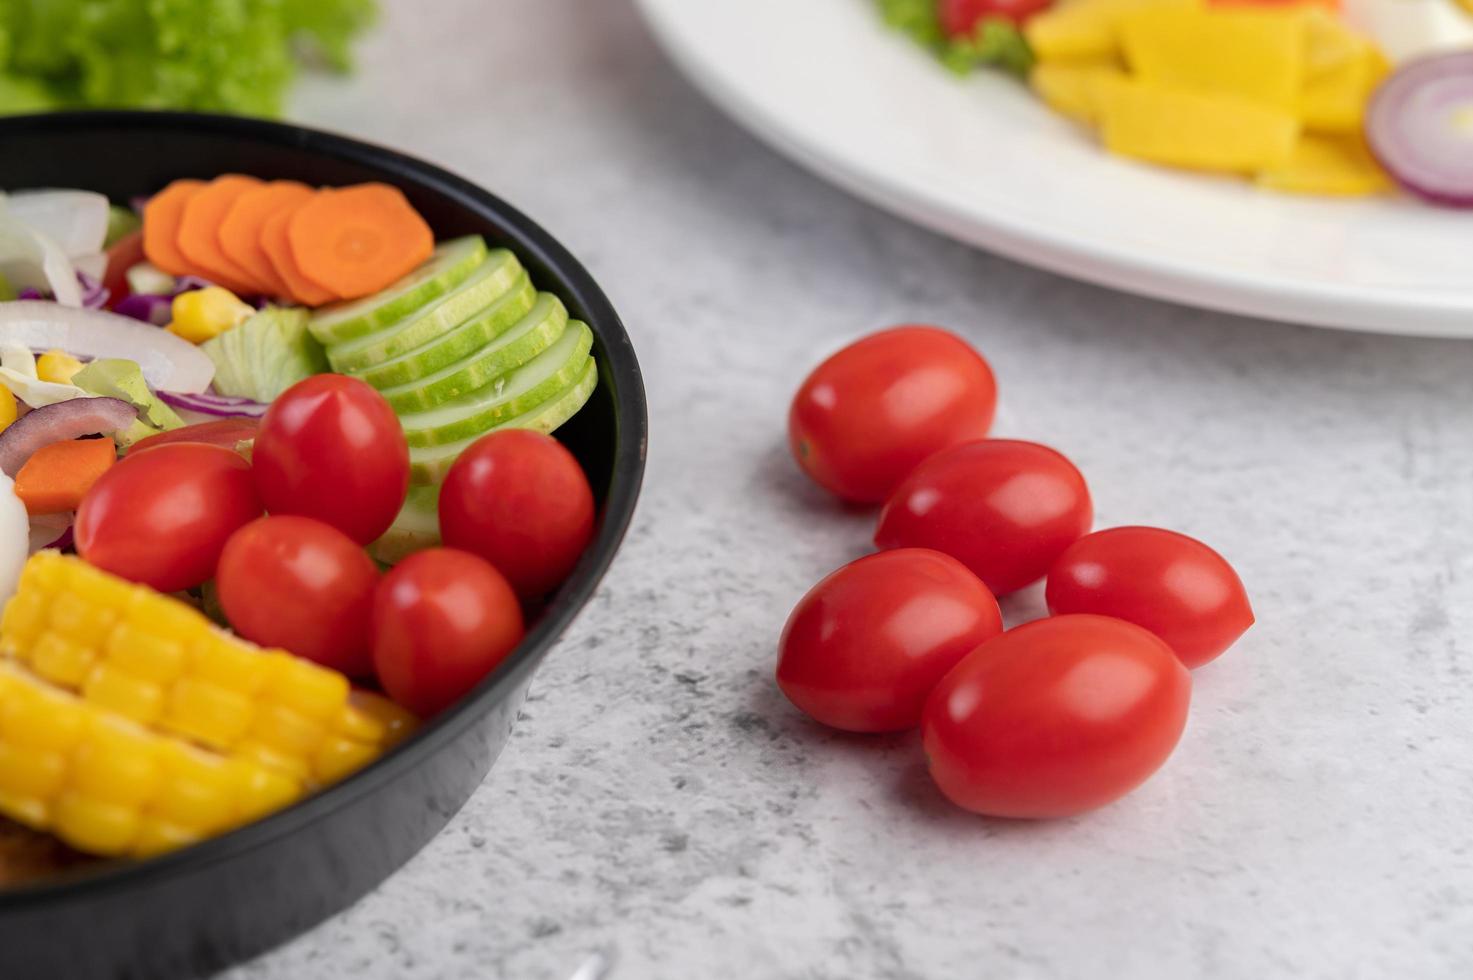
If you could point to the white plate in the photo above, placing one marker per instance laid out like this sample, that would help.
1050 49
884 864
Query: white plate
979 159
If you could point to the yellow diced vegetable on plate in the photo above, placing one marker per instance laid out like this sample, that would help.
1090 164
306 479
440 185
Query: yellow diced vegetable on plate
1256 55
1195 130
1335 101
1334 165
1087 29
1074 89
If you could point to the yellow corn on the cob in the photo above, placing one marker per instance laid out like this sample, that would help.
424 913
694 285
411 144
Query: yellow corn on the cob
162 664
106 785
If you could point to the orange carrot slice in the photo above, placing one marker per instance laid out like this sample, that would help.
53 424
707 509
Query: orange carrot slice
199 233
357 240
56 477
240 231
276 246
162 216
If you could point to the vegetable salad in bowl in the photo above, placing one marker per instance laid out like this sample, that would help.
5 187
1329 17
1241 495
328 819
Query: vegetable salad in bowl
1301 96
278 483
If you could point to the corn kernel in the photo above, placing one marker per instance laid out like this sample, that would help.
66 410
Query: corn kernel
371 717
158 615
156 836
207 712
25 618
283 729
222 660
337 757
42 719
8 408
197 790
203 314
99 587
261 791
59 660
29 772
117 764
93 826
26 810
44 573
129 695
153 658
295 766
57 366
308 688
79 619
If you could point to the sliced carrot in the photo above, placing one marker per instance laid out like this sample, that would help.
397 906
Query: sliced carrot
357 240
276 246
199 233
240 231
56 477
161 218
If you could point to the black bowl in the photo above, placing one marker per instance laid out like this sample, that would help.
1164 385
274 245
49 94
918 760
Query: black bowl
226 899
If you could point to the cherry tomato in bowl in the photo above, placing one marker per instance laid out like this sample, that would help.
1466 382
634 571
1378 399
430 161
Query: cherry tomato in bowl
228 433
442 620
330 447
162 517
1173 585
866 645
866 416
520 500
1005 509
959 18
1055 718
301 585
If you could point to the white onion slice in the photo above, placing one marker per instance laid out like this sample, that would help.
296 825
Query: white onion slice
75 220
15 537
167 361
31 260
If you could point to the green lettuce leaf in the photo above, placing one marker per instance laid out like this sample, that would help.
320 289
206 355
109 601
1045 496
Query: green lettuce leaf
237 56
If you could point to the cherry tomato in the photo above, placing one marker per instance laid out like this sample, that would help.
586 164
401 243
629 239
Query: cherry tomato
1005 509
1056 717
163 517
331 448
301 585
1173 585
959 18
442 620
866 416
519 500
125 253
866 645
228 433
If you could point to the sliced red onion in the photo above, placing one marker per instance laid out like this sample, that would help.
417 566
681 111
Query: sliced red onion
157 310
50 531
1420 126
58 423
30 293
94 293
220 406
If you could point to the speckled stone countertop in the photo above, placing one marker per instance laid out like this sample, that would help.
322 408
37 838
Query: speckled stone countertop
662 803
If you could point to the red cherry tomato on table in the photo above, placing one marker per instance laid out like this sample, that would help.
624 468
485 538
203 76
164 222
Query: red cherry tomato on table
865 646
442 620
1056 717
866 416
330 447
303 586
520 500
1173 585
227 433
959 18
1005 509
162 518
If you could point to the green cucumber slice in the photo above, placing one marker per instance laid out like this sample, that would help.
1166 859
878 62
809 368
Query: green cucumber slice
530 336
449 348
487 283
416 528
448 266
428 465
554 370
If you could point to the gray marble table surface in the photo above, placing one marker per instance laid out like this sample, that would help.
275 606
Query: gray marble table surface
661 802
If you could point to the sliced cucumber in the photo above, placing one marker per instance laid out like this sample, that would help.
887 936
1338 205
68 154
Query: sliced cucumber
555 369
449 266
449 348
428 465
416 528
487 283
530 336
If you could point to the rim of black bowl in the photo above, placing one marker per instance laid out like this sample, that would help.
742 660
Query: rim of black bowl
628 473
